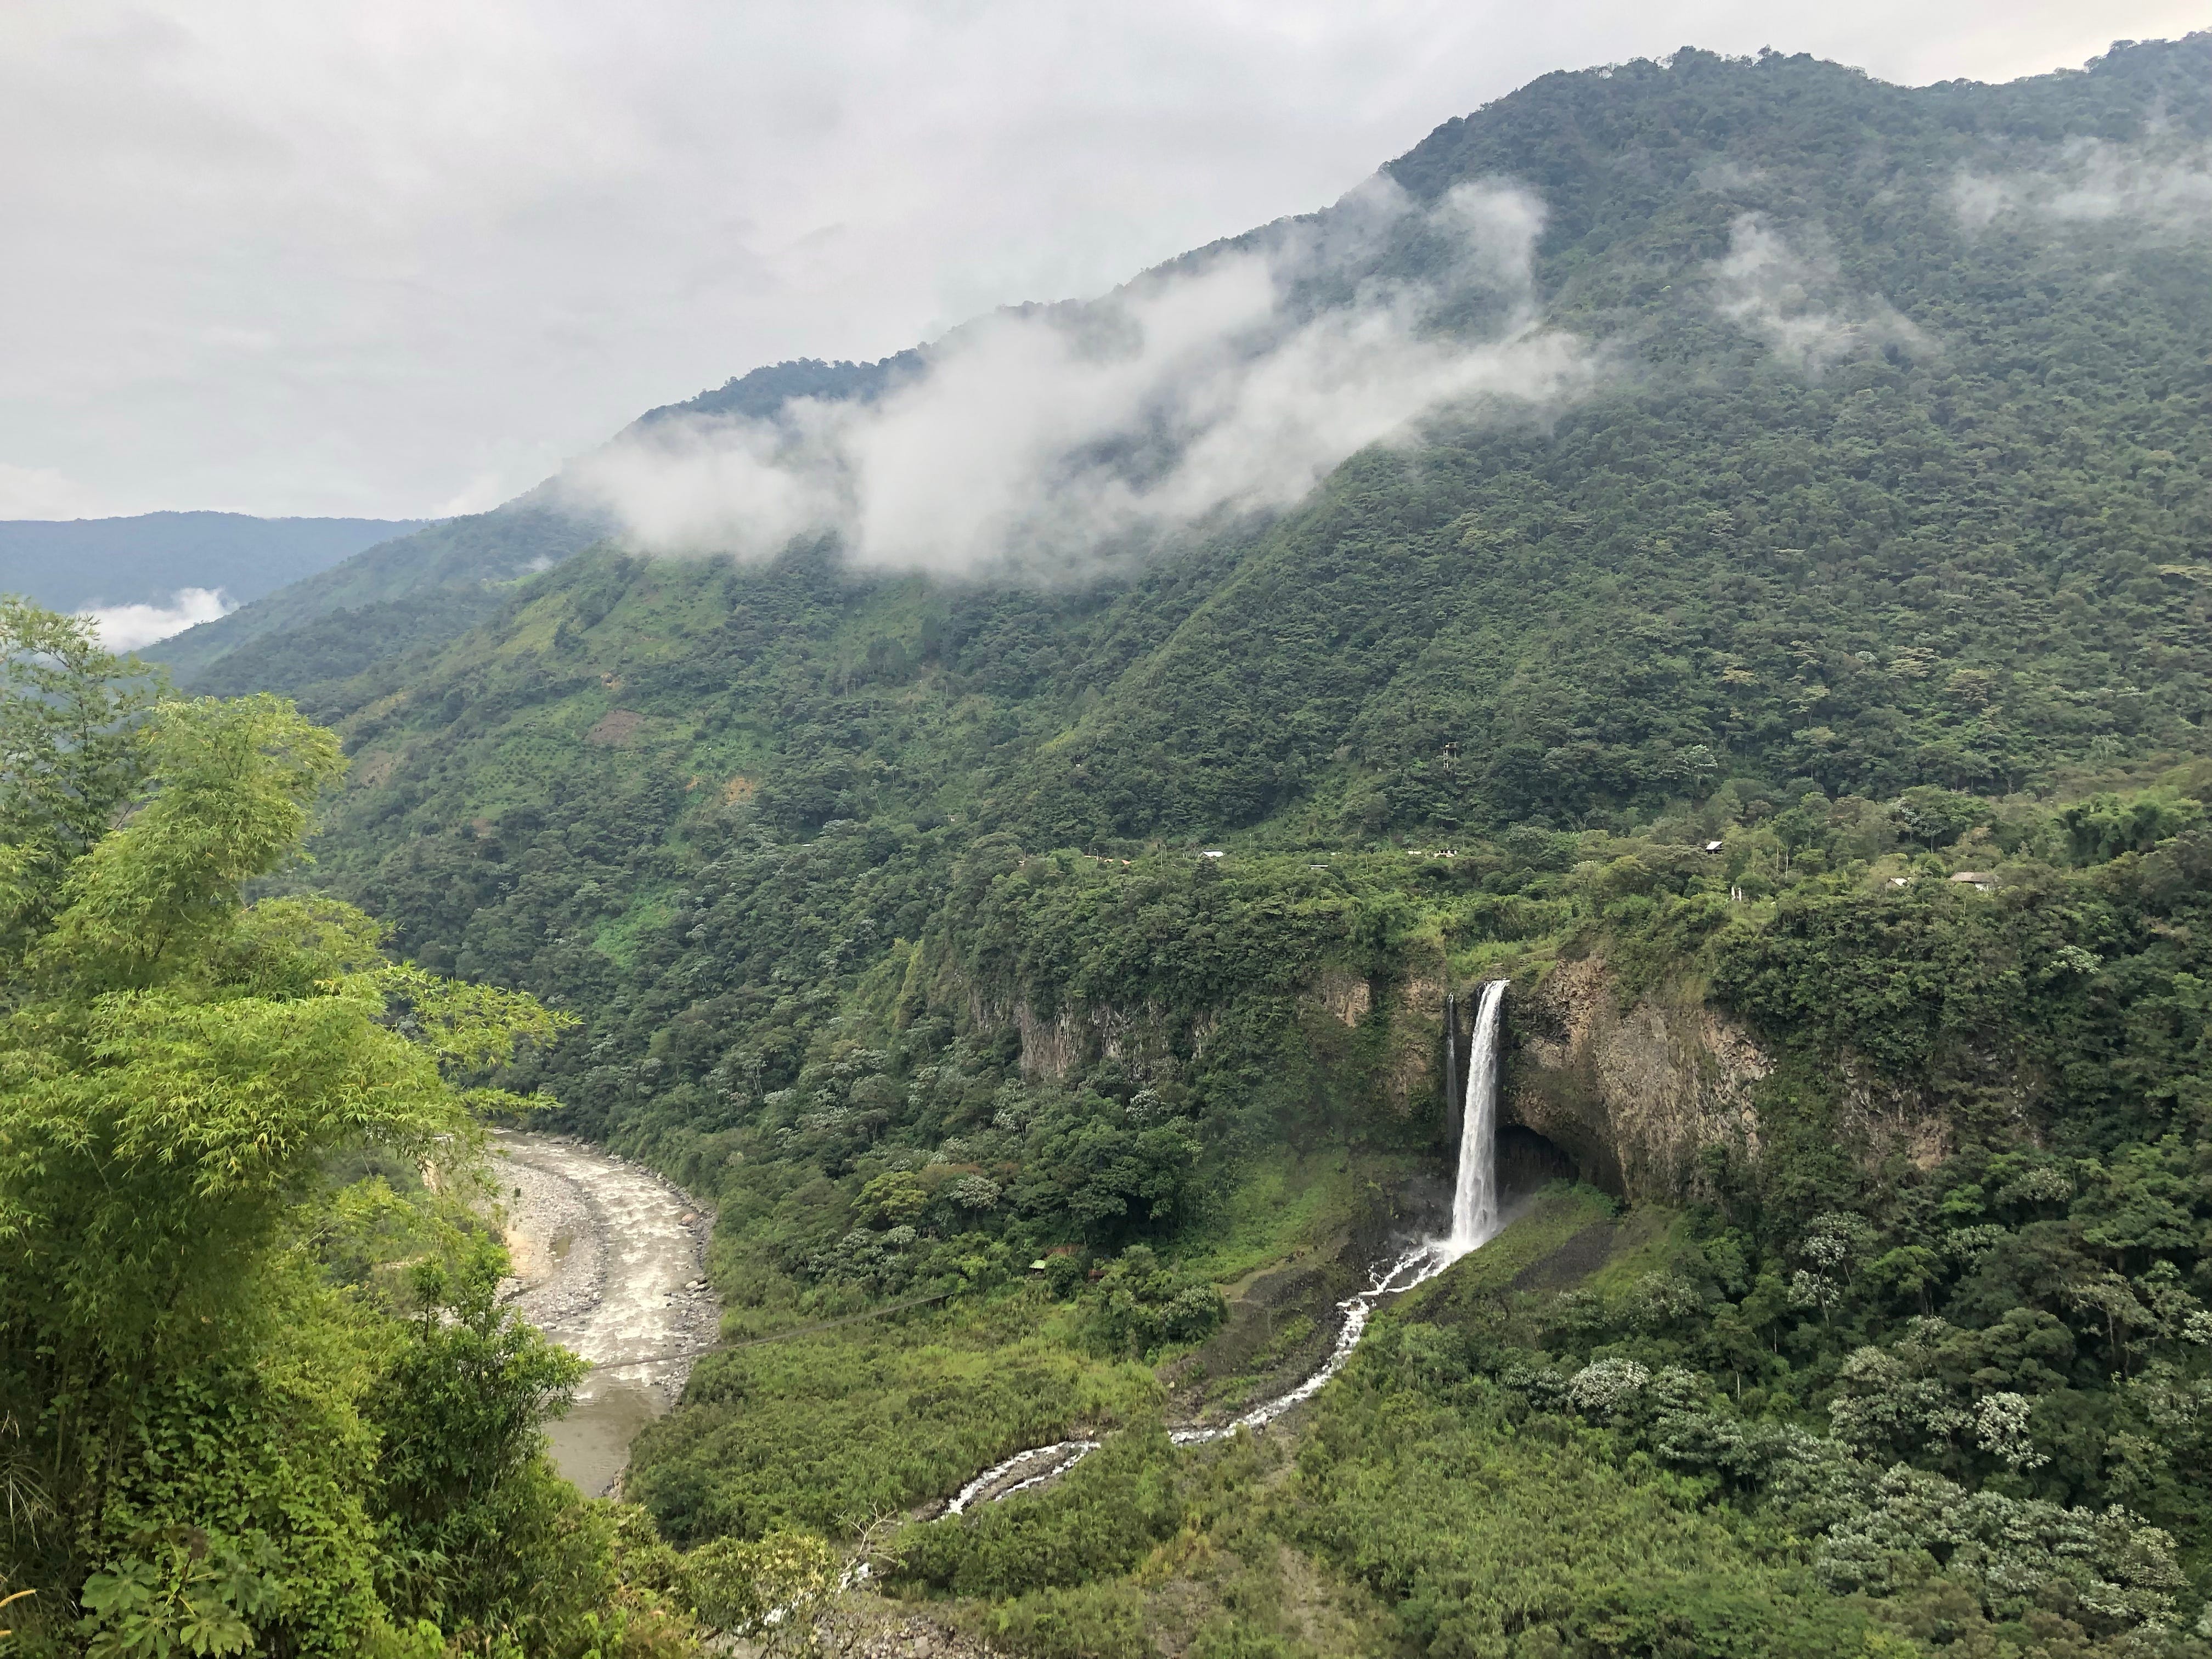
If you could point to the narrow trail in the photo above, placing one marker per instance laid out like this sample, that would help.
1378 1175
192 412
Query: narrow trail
608 1262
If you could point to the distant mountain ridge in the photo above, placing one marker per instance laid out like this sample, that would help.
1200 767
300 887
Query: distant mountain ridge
383 591
460 555
68 564
759 394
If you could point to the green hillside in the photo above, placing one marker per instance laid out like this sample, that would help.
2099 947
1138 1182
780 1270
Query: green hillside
457 558
889 909
415 591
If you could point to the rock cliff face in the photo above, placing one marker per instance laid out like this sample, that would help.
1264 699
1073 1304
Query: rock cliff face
1409 1058
1633 1097
1051 1048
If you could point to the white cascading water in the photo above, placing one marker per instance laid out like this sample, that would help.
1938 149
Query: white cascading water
1474 1221
1474 1198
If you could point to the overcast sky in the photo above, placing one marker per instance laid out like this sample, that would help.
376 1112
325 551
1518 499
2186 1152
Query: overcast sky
404 258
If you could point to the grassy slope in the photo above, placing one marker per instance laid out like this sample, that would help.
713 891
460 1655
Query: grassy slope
826 1431
1399 1520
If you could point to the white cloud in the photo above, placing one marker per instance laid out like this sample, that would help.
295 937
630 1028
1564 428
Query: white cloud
128 627
1725 176
1799 303
1051 439
2160 187
480 494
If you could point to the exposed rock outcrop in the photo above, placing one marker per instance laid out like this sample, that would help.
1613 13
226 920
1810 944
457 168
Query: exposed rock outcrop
1079 1033
1345 996
1634 1098
1409 1058
1050 1047
1147 1041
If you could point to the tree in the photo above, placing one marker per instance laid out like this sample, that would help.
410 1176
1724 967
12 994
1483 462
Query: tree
1936 816
479 1524
177 1067
70 716
2103 827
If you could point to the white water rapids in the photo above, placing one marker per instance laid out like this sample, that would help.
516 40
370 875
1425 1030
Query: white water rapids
1417 1266
1058 1457
1473 1223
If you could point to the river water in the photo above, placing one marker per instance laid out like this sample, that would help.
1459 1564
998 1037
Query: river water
609 1263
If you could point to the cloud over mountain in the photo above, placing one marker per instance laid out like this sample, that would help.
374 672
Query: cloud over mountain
128 627
1796 299
1048 438
2158 185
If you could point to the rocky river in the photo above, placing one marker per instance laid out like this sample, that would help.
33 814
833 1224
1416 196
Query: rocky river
609 1262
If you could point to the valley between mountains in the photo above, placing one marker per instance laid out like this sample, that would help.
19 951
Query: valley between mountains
1665 889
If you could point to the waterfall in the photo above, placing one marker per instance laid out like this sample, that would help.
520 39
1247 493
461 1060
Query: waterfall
1474 1219
1474 1199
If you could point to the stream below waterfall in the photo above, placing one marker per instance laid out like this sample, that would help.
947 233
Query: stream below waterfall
1475 1220
608 1258
1040 1464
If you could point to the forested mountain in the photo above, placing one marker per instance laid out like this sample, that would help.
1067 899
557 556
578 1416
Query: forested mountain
456 559
68 564
1806 716
764 392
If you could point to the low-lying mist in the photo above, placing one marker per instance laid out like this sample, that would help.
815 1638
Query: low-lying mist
2162 187
1047 442
1795 299
129 626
